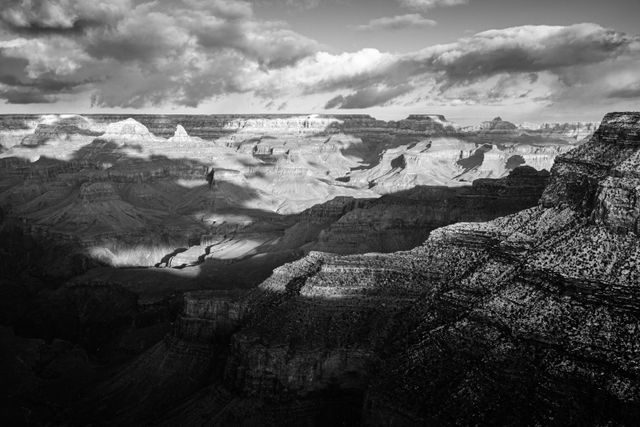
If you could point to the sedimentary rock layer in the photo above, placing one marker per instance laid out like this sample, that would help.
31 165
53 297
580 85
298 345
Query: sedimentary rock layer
530 319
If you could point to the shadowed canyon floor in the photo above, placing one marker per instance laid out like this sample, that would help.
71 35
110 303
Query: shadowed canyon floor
132 250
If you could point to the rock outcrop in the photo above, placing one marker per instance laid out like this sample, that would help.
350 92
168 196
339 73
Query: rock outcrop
128 130
180 137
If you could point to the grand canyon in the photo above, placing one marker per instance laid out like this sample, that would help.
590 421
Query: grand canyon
219 270
376 213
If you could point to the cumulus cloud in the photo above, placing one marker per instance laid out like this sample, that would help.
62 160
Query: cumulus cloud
186 52
496 65
523 49
59 15
398 22
48 66
158 52
430 4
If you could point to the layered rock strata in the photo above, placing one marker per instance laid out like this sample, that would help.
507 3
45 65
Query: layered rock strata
404 220
326 325
530 319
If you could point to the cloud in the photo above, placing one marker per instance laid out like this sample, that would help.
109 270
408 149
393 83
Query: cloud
506 65
623 83
522 50
187 52
303 4
159 52
368 97
630 92
43 66
325 72
59 15
625 93
16 96
399 22
334 102
430 4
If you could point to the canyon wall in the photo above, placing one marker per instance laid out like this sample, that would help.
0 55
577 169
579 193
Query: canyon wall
528 319
210 207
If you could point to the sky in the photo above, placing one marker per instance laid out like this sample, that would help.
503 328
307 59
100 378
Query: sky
472 60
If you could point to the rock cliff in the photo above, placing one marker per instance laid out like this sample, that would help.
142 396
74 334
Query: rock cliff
578 131
403 220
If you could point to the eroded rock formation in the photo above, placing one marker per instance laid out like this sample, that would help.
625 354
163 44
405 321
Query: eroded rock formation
326 335
529 319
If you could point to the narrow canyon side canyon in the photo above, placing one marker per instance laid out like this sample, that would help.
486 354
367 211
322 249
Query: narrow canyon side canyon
221 270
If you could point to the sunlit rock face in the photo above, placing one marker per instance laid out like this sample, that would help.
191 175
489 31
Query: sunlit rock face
572 132
601 174
287 125
450 162
577 131
180 137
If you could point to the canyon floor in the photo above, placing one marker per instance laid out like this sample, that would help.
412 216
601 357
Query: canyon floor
220 270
